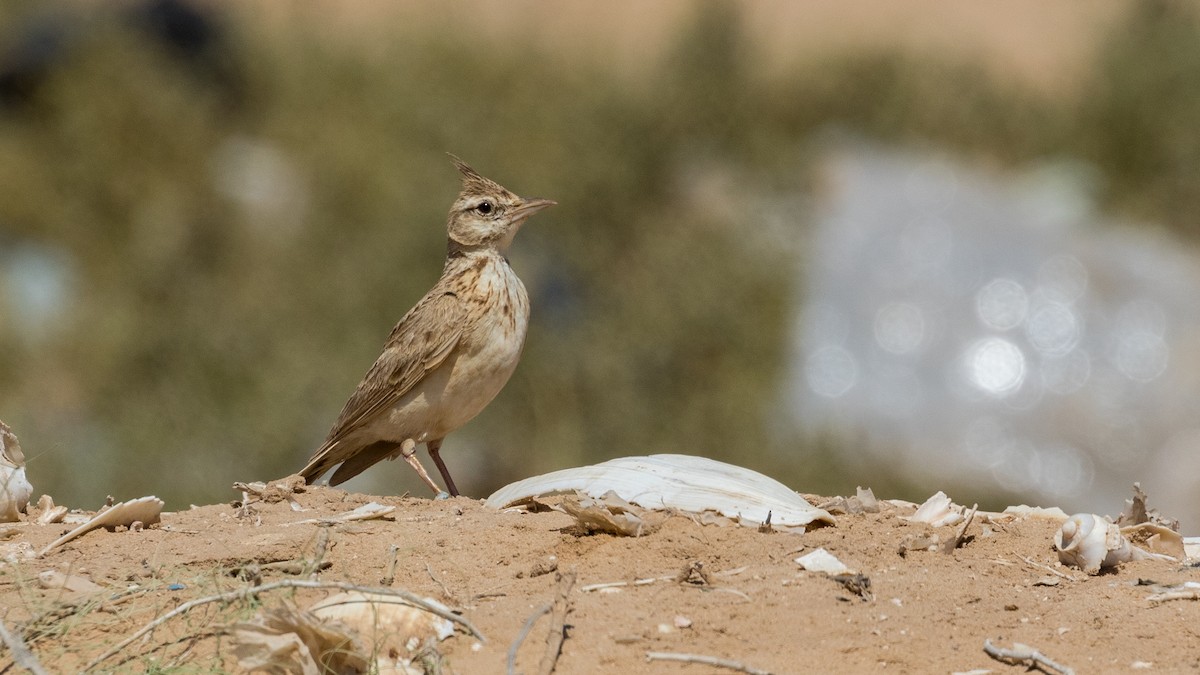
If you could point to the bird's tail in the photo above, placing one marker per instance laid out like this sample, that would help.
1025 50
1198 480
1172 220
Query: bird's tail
319 463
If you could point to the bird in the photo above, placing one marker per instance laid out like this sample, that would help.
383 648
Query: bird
449 355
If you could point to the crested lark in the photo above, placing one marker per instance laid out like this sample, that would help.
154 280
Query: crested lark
450 354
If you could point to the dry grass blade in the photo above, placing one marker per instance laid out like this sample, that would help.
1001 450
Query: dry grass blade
252 591
511 668
20 651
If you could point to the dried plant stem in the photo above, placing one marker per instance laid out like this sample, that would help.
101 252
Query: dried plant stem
529 624
558 623
706 660
21 654
1024 654
957 541
620 584
1174 595
313 565
393 554
1033 563
243 593
445 591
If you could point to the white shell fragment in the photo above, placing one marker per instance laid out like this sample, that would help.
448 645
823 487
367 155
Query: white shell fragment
1025 511
287 640
1156 538
15 489
385 621
75 583
821 560
938 511
609 514
1191 548
680 482
143 511
348 632
1092 543
50 513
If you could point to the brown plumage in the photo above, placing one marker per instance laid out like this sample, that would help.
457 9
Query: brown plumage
450 354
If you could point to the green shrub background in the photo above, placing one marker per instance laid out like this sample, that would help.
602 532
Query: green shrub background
210 340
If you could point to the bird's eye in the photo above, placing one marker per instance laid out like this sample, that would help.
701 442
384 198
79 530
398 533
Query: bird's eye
485 208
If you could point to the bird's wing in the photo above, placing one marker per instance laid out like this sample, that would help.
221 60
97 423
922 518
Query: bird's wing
422 340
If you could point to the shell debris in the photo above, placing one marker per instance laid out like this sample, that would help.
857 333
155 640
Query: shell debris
15 489
686 483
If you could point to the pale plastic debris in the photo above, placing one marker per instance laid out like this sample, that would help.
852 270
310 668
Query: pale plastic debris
15 489
938 511
1092 542
144 510
681 482
821 560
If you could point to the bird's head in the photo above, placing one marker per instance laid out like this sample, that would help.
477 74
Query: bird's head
486 215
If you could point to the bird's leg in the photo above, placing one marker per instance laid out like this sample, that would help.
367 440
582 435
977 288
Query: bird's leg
435 448
408 449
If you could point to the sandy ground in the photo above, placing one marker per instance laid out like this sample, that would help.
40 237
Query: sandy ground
749 602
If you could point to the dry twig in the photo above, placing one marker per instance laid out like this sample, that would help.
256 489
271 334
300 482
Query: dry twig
957 541
707 577
313 565
243 593
558 623
21 654
1024 654
445 591
1033 563
529 623
1174 595
252 571
620 584
706 660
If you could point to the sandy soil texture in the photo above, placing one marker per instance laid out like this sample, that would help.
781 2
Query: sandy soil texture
731 593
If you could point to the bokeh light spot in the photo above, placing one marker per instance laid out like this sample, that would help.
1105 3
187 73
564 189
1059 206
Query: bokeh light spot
1002 304
831 371
899 327
1053 328
995 366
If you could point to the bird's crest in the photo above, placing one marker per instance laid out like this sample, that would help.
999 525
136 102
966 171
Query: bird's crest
473 182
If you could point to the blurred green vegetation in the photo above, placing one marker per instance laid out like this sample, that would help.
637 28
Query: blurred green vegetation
212 337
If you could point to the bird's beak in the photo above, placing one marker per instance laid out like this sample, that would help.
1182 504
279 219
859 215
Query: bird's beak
531 206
